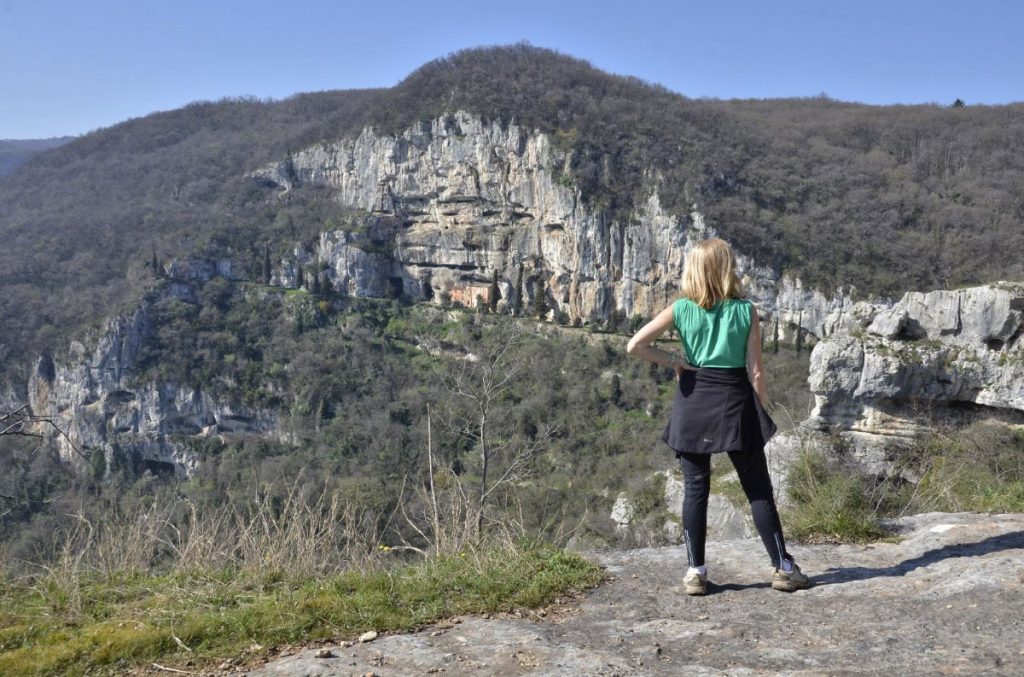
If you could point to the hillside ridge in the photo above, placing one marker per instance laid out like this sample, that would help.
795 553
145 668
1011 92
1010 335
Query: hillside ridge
838 195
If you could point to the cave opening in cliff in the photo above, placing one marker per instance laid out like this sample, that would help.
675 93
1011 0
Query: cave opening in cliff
161 469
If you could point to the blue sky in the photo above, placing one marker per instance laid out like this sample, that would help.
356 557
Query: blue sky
70 66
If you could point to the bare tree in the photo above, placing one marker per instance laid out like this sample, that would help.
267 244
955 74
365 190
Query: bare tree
20 423
478 412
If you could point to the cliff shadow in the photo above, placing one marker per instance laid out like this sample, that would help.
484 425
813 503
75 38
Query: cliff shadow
838 575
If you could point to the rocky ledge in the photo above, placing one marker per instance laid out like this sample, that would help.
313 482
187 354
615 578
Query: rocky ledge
946 599
895 372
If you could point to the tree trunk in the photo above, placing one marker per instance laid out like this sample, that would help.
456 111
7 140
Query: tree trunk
483 476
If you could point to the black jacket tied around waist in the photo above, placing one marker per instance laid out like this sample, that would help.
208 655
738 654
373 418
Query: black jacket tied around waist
717 410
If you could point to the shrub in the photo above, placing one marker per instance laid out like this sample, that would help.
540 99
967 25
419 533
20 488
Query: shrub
830 503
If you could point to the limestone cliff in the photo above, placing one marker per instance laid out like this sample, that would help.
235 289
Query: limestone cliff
90 392
897 370
440 210
456 201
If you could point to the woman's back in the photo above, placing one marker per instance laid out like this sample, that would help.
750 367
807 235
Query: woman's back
716 337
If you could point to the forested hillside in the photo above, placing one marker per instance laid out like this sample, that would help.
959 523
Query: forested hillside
16 152
883 199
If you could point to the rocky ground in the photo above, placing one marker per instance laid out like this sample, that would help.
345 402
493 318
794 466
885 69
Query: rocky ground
946 599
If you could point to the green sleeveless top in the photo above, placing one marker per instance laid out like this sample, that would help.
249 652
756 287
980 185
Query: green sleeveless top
715 337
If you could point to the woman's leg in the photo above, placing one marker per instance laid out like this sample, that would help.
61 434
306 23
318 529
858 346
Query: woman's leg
752 469
697 484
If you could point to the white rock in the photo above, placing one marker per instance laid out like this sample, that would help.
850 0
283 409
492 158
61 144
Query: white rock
921 362
622 512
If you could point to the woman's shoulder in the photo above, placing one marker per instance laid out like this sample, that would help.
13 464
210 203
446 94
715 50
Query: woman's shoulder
741 303
681 310
683 304
741 308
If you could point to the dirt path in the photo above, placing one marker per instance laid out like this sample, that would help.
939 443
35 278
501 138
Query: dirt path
946 600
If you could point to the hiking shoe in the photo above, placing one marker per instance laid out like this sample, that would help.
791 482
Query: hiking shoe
695 584
788 581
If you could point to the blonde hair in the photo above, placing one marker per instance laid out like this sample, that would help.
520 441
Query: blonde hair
709 274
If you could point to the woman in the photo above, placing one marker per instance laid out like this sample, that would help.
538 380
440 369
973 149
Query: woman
717 406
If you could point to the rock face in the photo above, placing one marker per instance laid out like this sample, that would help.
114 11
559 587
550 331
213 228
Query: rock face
91 394
896 370
946 599
455 202
446 211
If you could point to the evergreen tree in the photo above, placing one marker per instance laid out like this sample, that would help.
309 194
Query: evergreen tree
266 264
540 300
518 301
300 281
155 264
316 284
775 335
800 332
493 293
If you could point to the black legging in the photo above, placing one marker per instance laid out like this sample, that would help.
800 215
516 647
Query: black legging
752 469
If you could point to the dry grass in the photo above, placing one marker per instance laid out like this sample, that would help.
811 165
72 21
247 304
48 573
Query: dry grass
269 537
174 582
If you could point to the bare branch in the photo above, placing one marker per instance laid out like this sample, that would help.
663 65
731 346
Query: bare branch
4 417
22 419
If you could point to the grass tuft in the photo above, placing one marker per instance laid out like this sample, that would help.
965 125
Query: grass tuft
829 504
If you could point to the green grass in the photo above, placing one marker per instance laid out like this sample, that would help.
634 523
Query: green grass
829 504
127 620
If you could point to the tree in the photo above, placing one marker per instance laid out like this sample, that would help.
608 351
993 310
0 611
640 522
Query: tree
800 332
22 423
155 265
478 412
267 271
493 293
518 300
540 303
959 103
300 281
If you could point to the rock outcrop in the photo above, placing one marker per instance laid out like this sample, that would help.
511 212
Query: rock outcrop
456 201
946 599
91 393
894 371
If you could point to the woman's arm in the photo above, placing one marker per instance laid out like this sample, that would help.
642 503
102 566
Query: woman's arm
642 346
755 368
